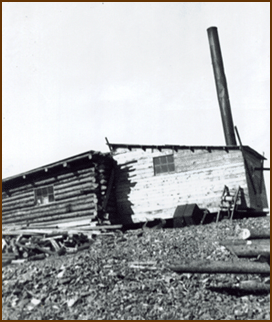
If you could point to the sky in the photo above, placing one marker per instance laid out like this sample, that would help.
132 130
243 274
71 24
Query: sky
136 72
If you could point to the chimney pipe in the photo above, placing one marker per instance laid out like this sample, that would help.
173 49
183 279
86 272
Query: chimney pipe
221 86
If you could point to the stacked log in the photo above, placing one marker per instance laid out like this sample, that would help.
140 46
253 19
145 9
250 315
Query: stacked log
105 194
251 243
258 248
79 192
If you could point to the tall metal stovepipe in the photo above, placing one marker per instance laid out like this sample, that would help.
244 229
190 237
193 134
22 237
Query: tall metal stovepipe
221 86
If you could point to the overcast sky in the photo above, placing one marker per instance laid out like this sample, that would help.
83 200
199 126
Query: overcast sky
141 73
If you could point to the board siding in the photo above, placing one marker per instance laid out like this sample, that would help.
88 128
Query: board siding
199 177
258 196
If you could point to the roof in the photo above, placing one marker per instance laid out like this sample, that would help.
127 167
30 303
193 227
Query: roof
114 146
94 155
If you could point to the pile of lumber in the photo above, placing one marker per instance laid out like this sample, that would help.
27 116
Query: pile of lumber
23 244
252 244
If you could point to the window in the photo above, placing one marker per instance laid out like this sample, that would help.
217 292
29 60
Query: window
44 195
164 164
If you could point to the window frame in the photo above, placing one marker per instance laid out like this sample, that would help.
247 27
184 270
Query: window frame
164 164
44 195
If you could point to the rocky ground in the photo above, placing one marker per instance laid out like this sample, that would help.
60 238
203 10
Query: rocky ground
127 276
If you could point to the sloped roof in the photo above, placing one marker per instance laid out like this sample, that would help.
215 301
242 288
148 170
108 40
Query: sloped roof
94 155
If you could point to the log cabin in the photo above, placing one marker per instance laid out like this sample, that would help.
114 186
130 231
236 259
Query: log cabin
151 181
74 190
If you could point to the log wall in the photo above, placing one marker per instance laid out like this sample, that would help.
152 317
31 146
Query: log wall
79 192
199 177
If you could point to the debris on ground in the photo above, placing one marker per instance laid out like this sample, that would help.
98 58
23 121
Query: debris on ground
21 245
128 276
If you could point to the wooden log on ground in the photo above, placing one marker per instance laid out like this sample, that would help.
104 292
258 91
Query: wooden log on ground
34 247
248 286
4 244
84 229
74 222
6 262
70 250
22 246
254 286
236 242
207 266
55 232
250 250
8 256
143 263
254 233
105 227
37 257
84 246
33 232
18 261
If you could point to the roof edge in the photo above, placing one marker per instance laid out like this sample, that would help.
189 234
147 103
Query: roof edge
113 146
76 157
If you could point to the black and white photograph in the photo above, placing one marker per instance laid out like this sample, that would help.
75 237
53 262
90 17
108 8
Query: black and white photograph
136 160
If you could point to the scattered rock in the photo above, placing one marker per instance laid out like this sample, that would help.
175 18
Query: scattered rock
98 282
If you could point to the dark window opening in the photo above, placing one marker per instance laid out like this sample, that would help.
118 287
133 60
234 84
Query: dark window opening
164 164
44 195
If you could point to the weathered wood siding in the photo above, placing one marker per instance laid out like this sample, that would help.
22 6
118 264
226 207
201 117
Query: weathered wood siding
79 192
257 194
199 177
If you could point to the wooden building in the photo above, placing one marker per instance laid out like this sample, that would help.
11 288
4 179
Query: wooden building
132 184
151 181
73 190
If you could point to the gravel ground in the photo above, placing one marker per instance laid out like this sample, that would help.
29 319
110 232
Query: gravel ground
102 283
